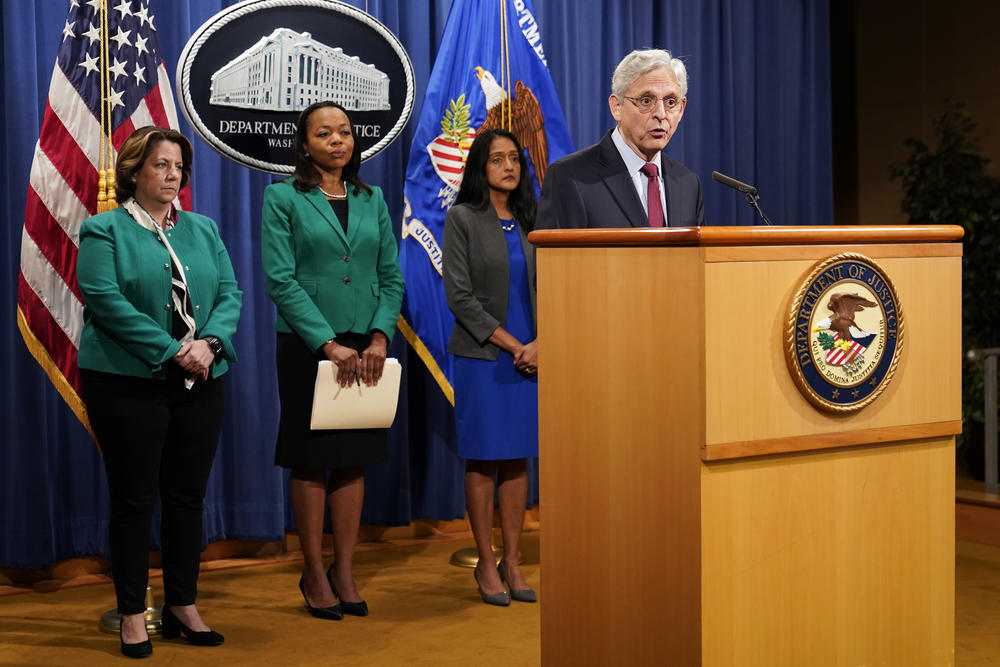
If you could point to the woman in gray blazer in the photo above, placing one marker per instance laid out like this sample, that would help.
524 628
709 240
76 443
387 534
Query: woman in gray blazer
489 272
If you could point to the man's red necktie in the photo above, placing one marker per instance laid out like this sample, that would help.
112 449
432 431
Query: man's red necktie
653 195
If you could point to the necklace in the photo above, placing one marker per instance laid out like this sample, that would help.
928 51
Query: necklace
330 196
507 228
167 223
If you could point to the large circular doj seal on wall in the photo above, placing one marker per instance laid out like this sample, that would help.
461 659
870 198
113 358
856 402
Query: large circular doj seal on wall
245 75
844 333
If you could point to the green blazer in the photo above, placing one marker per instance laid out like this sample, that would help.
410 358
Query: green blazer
125 279
324 281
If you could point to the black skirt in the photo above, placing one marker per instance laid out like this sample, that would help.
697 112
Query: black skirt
298 445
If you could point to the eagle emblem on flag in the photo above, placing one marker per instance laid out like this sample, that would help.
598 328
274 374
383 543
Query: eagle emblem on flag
520 112
449 149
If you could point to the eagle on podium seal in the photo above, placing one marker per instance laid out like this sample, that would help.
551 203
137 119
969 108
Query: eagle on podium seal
844 333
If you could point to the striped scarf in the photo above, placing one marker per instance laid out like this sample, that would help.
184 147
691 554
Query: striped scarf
179 287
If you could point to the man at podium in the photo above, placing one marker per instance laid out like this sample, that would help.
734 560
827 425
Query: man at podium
625 180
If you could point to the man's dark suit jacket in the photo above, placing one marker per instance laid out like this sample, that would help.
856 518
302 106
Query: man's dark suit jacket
591 188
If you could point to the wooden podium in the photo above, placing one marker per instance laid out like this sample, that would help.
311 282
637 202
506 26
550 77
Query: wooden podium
697 508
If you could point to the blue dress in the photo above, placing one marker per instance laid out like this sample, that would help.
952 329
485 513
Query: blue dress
496 408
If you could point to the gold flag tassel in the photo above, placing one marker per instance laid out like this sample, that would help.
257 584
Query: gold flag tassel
106 191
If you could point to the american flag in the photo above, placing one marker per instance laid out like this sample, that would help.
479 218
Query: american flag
62 190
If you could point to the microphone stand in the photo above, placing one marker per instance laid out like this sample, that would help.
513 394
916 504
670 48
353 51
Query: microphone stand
752 199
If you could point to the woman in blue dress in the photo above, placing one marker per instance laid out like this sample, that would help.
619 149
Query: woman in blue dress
489 271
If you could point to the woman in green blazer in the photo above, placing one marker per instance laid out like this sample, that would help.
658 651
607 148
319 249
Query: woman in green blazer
161 307
330 257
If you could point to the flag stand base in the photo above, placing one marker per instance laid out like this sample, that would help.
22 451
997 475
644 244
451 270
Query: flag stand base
469 556
111 620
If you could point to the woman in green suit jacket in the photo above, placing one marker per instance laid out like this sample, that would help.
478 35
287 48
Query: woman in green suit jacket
161 307
330 257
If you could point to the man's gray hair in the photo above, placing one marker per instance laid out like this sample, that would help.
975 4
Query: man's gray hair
642 61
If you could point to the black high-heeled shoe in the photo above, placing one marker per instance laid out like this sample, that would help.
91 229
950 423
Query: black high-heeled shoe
352 608
173 627
521 594
137 650
334 613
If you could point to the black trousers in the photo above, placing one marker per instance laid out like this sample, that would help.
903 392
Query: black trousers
155 436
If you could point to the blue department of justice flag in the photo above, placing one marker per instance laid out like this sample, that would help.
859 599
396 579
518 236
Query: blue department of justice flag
490 72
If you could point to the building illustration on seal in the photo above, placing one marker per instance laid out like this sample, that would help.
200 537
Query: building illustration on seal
289 70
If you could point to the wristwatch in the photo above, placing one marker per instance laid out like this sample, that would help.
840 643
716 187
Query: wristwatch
215 344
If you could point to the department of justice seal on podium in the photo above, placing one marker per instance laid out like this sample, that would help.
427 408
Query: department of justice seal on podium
844 333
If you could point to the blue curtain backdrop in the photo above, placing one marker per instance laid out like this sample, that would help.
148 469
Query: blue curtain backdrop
758 109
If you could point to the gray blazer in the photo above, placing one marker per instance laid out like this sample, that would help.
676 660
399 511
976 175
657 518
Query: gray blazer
476 278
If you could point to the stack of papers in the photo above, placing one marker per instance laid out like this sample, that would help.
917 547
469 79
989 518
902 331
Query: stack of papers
356 405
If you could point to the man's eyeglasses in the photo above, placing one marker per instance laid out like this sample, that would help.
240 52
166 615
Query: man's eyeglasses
647 103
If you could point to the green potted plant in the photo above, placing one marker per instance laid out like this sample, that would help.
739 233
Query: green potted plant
953 186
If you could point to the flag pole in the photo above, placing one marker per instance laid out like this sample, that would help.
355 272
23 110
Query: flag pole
106 193
469 556
111 620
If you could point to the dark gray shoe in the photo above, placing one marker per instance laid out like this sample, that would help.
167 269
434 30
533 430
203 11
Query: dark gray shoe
501 599
522 595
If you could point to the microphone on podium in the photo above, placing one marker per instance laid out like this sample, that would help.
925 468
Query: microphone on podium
749 190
